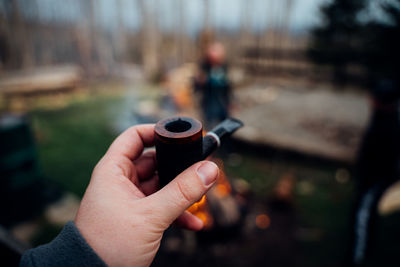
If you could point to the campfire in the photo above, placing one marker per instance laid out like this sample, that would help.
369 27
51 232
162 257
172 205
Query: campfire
220 208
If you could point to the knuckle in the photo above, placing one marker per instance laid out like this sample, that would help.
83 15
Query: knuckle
188 193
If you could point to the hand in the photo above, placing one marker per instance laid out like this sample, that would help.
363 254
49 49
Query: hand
122 216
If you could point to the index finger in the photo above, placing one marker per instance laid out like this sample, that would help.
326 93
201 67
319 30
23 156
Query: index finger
130 144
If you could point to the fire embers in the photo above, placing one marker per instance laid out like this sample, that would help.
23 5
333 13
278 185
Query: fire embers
202 211
222 207
263 221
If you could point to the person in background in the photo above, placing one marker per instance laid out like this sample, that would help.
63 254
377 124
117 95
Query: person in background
123 215
213 83
377 166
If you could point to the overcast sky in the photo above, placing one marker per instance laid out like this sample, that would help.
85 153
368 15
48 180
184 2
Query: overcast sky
225 14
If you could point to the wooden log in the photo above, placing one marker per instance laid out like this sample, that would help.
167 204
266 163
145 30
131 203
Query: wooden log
43 80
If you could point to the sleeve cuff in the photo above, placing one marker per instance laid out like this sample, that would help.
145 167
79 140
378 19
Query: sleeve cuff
69 248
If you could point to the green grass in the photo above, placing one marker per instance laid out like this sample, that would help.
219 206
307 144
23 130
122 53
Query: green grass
73 139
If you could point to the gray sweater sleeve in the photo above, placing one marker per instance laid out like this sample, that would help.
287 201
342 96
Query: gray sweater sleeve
69 248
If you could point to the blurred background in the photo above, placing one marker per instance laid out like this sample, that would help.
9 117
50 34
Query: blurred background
309 181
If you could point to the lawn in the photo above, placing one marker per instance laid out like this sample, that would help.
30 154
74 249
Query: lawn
71 140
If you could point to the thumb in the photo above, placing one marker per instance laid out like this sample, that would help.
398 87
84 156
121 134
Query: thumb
187 188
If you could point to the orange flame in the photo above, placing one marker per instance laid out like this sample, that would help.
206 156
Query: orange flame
221 189
200 210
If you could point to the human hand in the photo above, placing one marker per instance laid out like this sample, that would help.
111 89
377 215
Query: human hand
122 216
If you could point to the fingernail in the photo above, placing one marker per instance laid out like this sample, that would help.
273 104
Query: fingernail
208 172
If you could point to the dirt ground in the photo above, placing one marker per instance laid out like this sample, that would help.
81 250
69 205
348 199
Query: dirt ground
320 122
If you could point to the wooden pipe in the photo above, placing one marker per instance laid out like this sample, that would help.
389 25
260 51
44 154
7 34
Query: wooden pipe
180 143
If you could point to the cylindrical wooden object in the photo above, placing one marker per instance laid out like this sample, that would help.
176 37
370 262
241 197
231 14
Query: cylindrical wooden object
179 144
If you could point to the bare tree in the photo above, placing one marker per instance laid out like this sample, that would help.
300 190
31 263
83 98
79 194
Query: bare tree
20 40
149 40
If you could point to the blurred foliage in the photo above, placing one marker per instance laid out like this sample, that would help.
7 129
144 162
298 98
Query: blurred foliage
382 43
337 41
344 39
